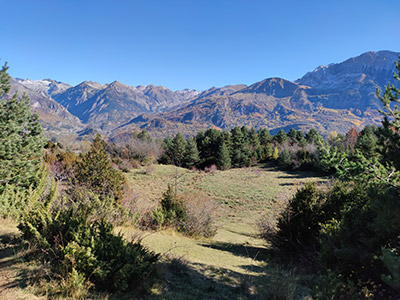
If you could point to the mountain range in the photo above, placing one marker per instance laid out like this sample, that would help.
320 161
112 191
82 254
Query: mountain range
337 97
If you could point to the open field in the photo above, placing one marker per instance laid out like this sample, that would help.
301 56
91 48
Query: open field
231 265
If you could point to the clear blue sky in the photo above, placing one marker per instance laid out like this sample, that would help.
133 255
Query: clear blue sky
189 44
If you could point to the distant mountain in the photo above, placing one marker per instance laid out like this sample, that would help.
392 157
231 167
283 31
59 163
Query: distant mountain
352 83
110 105
334 97
48 86
55 118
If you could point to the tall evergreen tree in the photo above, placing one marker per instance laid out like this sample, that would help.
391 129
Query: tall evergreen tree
264 137
254 144
166 157
223 157
240 150
301 140
281 137
368 142
292 135
178 149
191 154
21 139
313 136
208 144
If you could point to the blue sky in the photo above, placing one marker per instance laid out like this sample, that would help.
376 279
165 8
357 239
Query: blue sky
189 44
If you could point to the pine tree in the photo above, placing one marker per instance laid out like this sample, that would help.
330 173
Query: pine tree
368 142
313 136
223 157
292 135
191 154
21 139
264 136
178 149
254 144
208 144
281 137
95 171
240 150
166 157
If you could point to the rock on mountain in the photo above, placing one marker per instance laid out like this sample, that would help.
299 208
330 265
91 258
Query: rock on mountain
48 86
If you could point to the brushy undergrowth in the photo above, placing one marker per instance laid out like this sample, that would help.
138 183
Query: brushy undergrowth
82 250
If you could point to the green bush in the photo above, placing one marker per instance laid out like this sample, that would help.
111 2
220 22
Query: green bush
95 171
172 208
14 201
298 225
94 206
191 214
74 244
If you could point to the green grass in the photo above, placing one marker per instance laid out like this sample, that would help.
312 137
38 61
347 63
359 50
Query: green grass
232 264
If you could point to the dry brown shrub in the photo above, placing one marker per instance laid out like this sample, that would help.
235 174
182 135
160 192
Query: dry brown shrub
135 164
211 169
150 168
267 225
200 214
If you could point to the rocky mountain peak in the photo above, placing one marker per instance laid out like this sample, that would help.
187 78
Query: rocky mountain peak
373 65
277 87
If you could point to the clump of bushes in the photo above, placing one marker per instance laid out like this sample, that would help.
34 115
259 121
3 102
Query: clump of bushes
74 233
78 245
347 233
191 214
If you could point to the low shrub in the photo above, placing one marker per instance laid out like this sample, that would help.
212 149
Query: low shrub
200 215
83 250
191 214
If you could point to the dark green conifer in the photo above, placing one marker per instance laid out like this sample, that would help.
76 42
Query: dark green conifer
191 155
281 137
95 171
264 137
178 149
313 136
21 139
223 157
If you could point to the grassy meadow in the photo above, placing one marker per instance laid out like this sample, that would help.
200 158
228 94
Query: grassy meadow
232 264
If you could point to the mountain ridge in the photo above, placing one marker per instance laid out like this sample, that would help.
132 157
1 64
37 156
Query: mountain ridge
337 97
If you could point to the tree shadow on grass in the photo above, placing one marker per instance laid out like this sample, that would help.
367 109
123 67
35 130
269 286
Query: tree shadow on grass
243 250
250 235
183 280
10 249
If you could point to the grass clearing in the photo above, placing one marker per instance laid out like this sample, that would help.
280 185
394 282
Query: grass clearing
231 265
